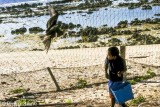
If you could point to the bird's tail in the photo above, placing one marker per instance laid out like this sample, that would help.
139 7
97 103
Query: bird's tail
47 42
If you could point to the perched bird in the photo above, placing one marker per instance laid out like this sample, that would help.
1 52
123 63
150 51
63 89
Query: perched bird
53 29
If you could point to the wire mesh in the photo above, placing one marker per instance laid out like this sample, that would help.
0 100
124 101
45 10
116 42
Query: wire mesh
23 61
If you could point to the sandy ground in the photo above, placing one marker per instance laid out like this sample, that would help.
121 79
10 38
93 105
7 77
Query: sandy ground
28 70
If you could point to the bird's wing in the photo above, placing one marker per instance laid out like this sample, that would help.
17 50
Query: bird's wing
52 11
53 20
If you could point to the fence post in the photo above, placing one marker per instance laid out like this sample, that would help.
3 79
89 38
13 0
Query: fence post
53 78
123 55
123 51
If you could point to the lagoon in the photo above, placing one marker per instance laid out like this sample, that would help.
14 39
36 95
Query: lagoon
109 16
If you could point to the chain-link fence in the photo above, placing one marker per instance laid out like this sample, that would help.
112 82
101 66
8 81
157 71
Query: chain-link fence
92 26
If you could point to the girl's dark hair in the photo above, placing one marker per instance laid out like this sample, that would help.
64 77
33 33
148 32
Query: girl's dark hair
114 51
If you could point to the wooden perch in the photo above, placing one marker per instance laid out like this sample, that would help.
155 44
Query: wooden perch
53 105
139 57
54 79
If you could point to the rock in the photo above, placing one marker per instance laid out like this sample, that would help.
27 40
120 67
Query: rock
36 49
3 83
4 75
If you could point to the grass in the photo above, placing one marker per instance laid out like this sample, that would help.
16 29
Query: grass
81 83
18 90
69 101
150 74
24 102
132 82
137 101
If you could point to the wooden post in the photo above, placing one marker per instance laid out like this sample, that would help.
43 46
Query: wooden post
123 51
53 78
123 55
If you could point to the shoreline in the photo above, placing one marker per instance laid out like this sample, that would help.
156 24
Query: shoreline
121 36
25 61
68 74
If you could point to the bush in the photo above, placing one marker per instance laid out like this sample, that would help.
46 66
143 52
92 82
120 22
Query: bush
1 21
35 30
19 90
19 31
114 42
71 26
81 83
89 34
132 82
146 7
123 24
69 101
126 32
92 38
137 100
144 39
151 73
24 102
136 22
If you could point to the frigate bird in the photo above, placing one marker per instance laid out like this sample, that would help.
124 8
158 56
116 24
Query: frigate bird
53 30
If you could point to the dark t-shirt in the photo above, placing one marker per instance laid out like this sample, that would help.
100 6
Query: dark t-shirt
114 66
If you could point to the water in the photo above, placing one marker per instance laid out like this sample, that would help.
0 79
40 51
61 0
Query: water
17 2
13 1
111 17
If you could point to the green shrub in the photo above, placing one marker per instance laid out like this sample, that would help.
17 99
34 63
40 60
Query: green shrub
81 83
35 30
24 102
19 31
132 82
69 101
19 90
151 73
137 100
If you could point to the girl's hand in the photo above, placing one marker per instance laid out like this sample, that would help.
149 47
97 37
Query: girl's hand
107 76
119 74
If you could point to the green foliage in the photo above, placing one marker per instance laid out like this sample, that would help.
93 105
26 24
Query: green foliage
143 1
18 90
71 26
155 1
69 101
138 79
144 38
114 42
146 7
89 37
132 82
81 83
136 22
1 35
123 24
35 30
137 100
69 47
92 38
151 73
102 43
19 31
24 102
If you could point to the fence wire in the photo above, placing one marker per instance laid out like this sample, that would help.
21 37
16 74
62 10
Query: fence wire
24 63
